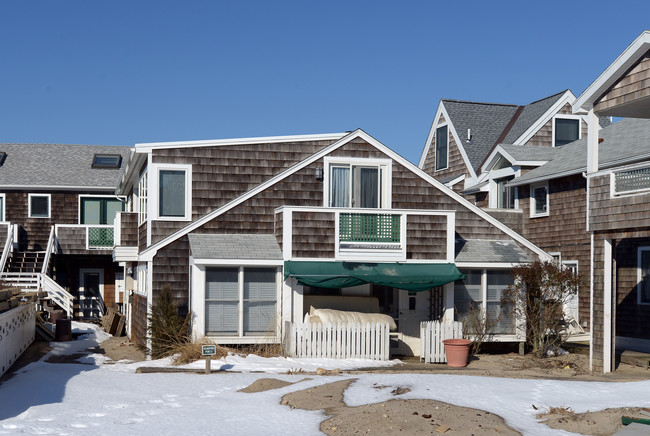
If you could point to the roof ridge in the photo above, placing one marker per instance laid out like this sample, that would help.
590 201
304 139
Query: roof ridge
547 97
57 143
479 102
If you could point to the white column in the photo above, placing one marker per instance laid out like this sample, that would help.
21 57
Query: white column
592 142
448 302
607 306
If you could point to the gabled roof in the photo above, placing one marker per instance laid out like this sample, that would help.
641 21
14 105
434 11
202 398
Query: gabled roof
613 73
58 167
151 251
486 122
529 115
622 144
520 155
505 251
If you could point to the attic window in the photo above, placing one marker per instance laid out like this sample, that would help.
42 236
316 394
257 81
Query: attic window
106 161
3 156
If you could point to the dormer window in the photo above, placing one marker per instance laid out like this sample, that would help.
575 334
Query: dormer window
359 183
107 161
566 130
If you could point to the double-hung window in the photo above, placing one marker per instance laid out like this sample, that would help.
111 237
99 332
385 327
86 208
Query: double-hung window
505 195
358 183
442 148
173 192
39 205
142 198
566 130
539 200
643 286
240 301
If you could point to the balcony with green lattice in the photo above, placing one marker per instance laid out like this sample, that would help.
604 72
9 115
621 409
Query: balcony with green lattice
373 228
100 237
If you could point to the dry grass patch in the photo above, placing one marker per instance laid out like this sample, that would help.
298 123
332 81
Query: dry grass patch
190 352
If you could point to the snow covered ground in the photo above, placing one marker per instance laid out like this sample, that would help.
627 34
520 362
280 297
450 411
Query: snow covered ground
95 398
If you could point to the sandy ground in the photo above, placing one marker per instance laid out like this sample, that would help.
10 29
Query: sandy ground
400 416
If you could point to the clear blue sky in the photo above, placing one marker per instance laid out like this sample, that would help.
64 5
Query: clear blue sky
124 72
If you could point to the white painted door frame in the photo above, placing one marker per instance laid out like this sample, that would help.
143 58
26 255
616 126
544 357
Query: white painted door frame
82 272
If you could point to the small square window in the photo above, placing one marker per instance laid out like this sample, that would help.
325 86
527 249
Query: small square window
39 206
107 161
539 201
567 130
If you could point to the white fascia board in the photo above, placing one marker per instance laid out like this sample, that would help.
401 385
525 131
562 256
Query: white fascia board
613 72
493 158
567 97
53 188
151 251
131 172
442 111
456 180
147 147
238 262
486 265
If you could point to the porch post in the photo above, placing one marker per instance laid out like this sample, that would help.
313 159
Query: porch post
607 306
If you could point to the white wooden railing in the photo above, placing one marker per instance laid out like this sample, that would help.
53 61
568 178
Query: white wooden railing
8 247
17 330
432 333
33 282
96 236
337 341
51 248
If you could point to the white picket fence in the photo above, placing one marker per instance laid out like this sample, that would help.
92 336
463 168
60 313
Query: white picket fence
432 333
337 341
17 330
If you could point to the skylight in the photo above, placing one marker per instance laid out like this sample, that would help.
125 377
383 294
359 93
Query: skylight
107 161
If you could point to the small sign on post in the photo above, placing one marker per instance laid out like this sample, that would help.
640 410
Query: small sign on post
208 351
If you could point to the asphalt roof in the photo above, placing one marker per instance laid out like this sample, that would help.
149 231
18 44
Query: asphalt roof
624 142
235 246
58 166
529 152
529 115
486 121
481 250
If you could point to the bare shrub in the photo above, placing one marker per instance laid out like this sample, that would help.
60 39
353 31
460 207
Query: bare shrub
538 295
478 326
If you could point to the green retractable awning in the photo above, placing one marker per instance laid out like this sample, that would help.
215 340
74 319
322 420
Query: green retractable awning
410 276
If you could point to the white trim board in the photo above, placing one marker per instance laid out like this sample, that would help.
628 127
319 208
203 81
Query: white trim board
151 251
613 72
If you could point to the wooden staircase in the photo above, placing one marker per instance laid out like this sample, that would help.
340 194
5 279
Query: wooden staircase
25 262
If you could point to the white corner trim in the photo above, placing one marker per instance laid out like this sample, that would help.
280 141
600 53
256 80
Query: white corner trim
567 97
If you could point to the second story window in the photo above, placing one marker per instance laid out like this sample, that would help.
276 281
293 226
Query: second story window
142 198
442 148
359 183
505 196
539 200
173 192
566 130
98 210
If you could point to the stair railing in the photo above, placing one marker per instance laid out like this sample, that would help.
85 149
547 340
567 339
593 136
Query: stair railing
8 248
59 295
51 248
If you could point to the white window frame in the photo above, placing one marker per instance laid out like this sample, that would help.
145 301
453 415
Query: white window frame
385 198
198 302
107 197
3 209
141 278
49 206
567 117
435 166
497 175
640 276
533 209
142 198
155 188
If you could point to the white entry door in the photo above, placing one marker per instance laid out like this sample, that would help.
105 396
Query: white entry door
91 292
414 307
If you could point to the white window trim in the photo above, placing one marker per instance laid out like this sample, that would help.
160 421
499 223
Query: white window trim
498 175
533 211
197 299
435 148
640 277
567 117
108 197
154 184
49 206
142 201
4 208
386 182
